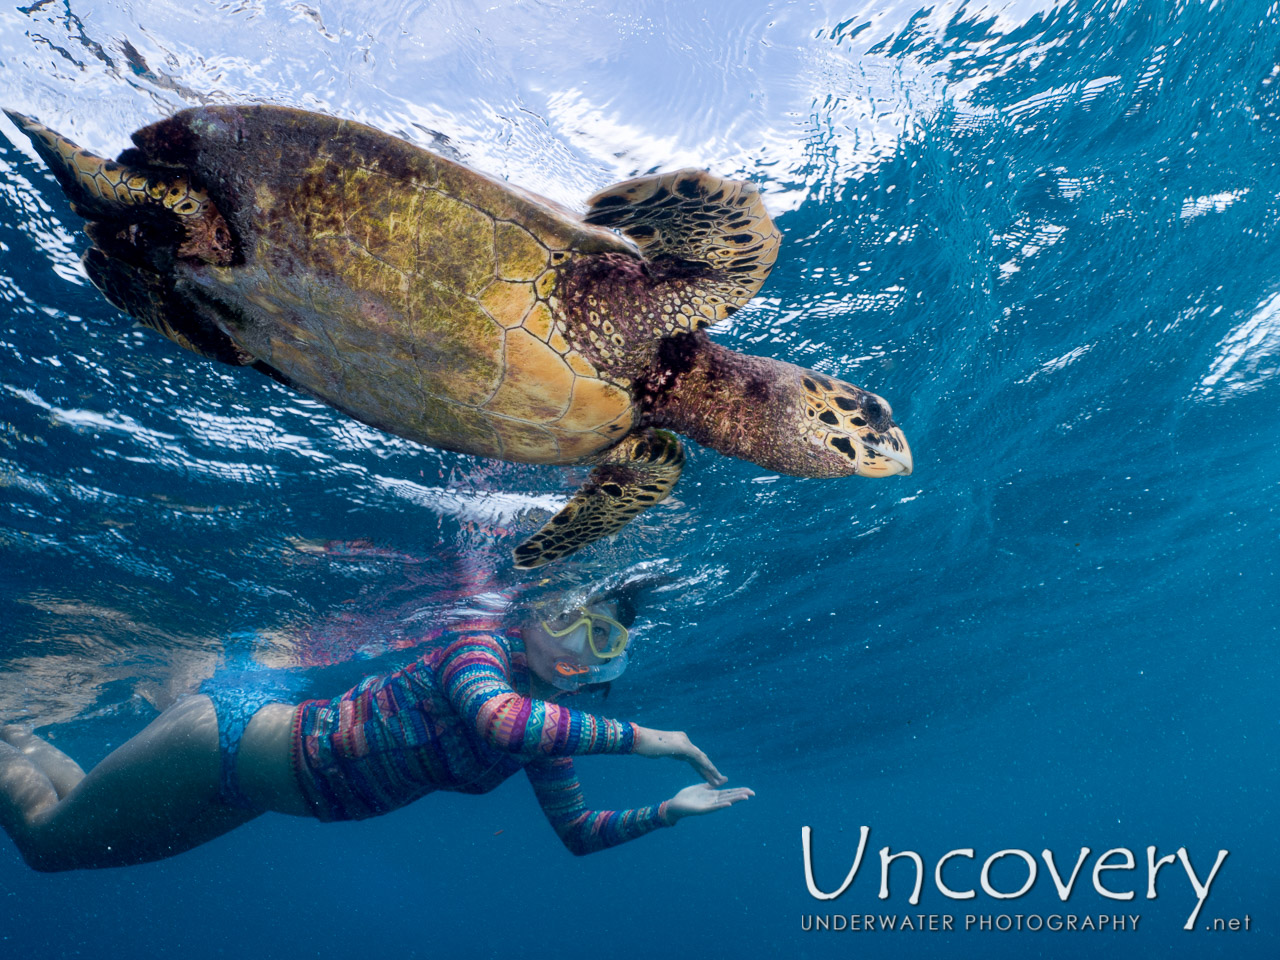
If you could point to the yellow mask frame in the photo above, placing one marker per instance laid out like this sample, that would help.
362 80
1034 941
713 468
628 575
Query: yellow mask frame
615 634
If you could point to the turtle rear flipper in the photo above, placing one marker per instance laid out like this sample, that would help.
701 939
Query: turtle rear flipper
633 476
709 241
120 194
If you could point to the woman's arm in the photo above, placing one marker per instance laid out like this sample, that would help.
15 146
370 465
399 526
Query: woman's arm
583 831
476 677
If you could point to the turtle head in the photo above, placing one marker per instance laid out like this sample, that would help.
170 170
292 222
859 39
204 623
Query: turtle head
844 430
775 414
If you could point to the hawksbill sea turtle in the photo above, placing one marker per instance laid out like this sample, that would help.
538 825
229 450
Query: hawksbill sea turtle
433 302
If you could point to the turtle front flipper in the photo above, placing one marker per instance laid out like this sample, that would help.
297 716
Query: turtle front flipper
120 195
709 241
631 477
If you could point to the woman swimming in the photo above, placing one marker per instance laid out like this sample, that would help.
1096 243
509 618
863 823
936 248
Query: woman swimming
465 716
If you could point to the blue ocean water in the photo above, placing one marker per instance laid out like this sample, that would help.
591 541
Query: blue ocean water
1048 233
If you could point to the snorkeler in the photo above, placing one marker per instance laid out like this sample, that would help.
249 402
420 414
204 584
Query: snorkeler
465 716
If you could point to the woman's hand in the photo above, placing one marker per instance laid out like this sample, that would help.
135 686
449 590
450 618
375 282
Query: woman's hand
700 798
674 743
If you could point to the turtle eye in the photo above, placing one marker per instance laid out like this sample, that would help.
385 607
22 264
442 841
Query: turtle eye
878 412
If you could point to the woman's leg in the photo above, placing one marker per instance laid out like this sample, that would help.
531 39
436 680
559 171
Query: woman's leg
63 772
24 792
153 797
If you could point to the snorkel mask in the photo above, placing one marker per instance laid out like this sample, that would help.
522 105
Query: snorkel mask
587 647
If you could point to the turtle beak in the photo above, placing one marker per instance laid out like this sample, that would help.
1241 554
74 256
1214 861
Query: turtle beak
893 456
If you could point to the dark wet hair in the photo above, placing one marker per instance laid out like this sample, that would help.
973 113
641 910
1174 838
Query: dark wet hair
626 604
626 597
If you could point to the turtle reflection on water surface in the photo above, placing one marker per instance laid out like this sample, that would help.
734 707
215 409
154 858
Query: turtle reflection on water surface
433 302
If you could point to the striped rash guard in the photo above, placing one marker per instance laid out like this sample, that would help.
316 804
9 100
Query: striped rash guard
459 718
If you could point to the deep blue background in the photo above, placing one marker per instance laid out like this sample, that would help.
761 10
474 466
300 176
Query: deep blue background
1047 233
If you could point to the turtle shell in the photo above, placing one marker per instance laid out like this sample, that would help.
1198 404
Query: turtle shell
409 291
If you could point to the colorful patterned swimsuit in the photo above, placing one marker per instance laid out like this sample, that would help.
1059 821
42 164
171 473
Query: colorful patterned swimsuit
460 718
